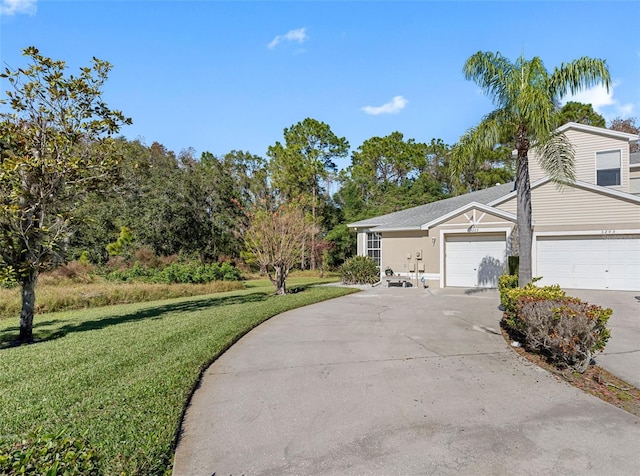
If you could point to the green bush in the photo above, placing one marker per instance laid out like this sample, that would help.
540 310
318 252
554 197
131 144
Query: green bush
567 330
513 264
360 270
510 298
506 283
49 454
178 273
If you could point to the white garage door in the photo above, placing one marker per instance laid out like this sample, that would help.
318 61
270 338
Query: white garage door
594 262
474 260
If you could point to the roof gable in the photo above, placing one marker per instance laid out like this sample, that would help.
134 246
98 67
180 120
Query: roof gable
414 218
625 136
470 206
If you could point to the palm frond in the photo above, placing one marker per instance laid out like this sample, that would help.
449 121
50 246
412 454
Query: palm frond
556 157
580 74
490 71
475 140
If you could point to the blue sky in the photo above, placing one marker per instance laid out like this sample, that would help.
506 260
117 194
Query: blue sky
218 76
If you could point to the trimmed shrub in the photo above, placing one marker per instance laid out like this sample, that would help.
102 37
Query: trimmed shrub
513 264
506 283
360 270
567 330
510 298
50 454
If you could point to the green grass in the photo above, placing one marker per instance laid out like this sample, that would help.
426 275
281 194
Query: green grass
54 295
120 376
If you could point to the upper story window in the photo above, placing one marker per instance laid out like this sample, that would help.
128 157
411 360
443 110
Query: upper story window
608 165
373 247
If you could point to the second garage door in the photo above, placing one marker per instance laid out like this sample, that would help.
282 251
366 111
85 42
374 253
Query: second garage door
592 262
474 260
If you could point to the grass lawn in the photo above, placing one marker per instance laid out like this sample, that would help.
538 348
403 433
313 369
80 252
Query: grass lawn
121 375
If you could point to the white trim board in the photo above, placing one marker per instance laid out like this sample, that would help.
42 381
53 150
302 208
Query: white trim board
577 184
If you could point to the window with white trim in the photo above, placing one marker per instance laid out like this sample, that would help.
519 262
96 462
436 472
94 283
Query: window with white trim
634 185
608 168
373 247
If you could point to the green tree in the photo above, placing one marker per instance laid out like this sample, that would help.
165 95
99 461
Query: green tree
251 174
210 208
300 168
143 198
151 196
55 148
122 246
390 173
581 113
488 167
525 95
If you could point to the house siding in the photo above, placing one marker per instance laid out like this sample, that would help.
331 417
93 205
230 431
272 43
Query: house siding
396 246
575 206
586 145
509 206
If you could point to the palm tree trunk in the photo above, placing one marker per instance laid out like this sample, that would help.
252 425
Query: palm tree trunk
525 229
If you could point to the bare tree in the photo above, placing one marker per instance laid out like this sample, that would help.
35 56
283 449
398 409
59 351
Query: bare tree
276 238
626 125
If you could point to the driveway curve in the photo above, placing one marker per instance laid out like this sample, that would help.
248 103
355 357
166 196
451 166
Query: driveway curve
395 382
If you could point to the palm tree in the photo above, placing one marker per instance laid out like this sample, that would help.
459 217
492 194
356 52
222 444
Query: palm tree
527 100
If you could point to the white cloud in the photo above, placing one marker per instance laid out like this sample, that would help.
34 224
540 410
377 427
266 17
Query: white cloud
393 107
12 7
603 101
299 35
596 96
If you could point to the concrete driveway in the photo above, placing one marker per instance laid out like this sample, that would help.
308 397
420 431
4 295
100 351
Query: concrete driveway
622 354
396 382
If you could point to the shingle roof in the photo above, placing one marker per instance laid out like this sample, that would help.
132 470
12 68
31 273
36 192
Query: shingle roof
414 218
634 158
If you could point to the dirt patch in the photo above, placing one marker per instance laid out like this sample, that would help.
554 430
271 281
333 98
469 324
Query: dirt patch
595 380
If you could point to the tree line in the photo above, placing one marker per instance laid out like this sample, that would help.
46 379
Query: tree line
202 206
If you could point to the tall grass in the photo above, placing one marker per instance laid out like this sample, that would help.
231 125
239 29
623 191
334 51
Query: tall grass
120 376
69 295
55 293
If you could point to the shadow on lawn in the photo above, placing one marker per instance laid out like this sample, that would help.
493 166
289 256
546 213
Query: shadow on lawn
8 337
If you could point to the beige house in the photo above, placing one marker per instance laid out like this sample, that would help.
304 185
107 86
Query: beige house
586 235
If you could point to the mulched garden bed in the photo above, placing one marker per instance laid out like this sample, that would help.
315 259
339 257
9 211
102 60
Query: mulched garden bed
595 380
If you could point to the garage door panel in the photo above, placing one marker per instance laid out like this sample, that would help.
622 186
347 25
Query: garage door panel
474 261
589 262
